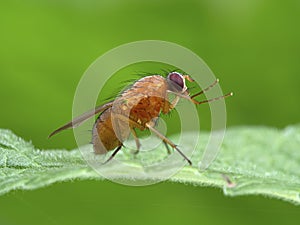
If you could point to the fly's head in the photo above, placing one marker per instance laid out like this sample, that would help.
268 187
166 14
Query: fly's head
176 82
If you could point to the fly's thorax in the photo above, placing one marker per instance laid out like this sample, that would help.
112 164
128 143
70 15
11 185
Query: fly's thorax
149 86
143 100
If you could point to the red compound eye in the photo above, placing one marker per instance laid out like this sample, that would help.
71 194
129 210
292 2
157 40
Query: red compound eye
176 78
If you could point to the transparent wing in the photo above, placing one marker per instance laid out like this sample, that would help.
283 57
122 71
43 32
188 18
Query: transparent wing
78 120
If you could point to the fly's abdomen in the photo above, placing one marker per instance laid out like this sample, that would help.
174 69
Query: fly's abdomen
104 136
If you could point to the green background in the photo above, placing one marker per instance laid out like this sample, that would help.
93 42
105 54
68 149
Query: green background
253 46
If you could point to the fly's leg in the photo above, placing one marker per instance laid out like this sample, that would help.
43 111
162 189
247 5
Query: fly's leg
206 89
212 99
137 141
191 98
113 154
169 142
172 105
153 123
228 181
204 101
132 124
167 147
168 106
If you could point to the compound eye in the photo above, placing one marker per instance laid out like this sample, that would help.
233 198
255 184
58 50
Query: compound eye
177 79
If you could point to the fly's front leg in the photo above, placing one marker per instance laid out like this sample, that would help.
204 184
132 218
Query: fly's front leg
205 89
170 105
201 102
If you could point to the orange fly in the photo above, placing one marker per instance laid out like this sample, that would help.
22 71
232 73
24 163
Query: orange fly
138 108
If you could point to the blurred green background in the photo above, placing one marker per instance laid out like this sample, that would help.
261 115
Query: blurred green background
253 46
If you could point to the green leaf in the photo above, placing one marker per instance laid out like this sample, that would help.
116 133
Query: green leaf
253 160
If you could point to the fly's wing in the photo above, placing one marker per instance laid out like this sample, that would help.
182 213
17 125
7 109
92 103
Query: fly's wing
78 120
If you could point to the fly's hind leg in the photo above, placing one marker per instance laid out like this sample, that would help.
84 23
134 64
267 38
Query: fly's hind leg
113 154
169 142
133 131
137 141
132 124
148 125
167 147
